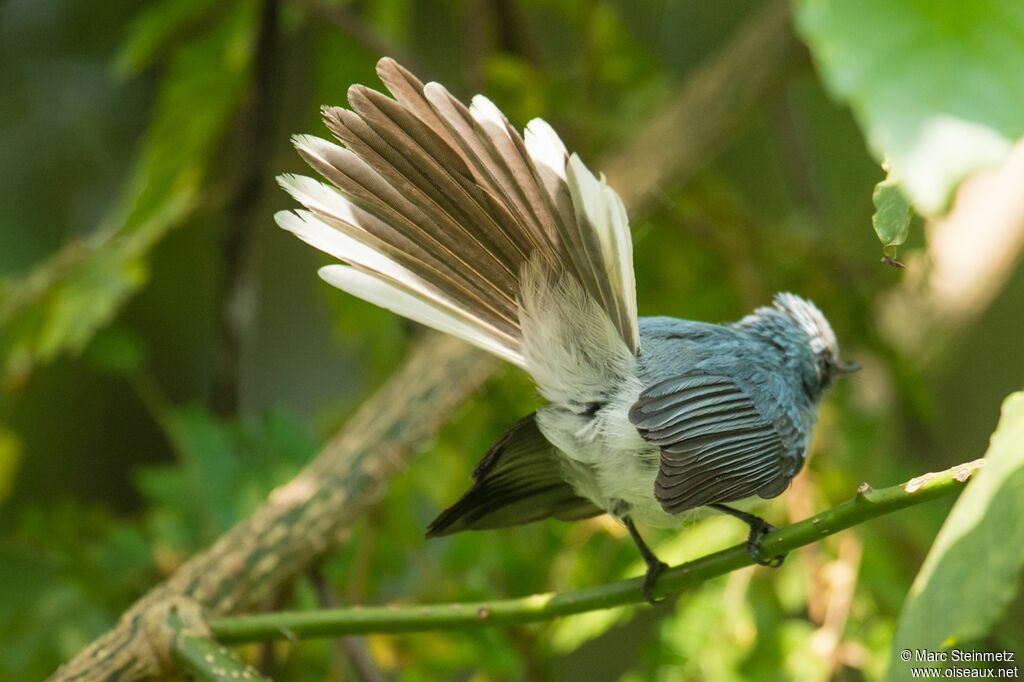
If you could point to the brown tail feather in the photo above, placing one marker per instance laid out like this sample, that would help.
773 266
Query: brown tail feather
458 202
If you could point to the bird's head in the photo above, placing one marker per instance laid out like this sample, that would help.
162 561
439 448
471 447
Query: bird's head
822 340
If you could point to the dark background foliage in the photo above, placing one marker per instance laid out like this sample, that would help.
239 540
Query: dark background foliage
169 355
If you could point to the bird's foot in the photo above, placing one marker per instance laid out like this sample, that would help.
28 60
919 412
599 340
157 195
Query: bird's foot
655 566
757 533
654 569
758 529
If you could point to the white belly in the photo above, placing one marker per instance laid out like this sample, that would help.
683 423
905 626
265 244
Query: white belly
607 461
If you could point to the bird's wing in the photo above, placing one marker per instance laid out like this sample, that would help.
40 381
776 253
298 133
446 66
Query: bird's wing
518 481
716 446
436 207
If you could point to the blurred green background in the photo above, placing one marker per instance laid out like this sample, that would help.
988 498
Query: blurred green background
169 355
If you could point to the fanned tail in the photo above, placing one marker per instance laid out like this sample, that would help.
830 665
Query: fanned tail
436 208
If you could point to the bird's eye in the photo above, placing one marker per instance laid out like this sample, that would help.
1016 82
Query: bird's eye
823 364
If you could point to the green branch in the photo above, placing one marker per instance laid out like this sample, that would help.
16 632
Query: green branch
196 651
867 504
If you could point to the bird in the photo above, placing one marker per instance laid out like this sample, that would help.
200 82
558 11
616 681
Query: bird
445 214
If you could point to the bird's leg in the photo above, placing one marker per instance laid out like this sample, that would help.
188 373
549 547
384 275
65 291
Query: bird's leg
758 529
655 566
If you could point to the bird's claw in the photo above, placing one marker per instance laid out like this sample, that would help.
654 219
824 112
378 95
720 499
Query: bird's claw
757 533
654 569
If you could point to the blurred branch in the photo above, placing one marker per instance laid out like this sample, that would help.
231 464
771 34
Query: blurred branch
245 218
351 648
303 519
266 659
866 505
834 592
361 31
720 95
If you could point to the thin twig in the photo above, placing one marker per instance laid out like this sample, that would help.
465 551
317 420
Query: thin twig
350 647
865 505
720 96
267 658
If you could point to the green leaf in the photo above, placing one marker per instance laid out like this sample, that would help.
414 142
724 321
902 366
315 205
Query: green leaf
207 450
892 215
224 470
936 86
60 305
973 570
152 30
116 349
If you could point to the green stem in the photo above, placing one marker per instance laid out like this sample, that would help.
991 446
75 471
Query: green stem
207 659
181 639
867 504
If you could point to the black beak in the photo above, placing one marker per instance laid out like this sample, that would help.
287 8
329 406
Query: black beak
843 367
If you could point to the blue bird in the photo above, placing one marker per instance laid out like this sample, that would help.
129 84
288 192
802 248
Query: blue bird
446 215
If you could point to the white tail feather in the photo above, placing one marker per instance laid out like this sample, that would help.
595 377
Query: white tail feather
315 232
318 196
545 147
485 112
392 286
379 292
607 214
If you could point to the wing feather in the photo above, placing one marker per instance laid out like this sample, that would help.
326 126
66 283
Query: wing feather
716 447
